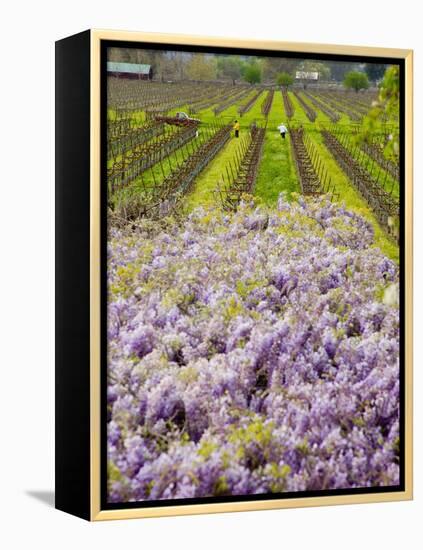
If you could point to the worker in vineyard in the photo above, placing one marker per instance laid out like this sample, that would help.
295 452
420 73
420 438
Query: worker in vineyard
283 130
236 128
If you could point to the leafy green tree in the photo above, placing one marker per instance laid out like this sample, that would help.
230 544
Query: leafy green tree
356 80
383 118
252 73
284 79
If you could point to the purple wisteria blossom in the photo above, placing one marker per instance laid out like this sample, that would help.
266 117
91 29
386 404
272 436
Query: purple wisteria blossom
251 353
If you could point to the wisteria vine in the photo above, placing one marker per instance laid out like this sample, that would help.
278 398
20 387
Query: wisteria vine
253 352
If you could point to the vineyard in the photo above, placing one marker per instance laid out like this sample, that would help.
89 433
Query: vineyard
151 172
253 325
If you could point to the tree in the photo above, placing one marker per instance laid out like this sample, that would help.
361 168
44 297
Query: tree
375 71
167 69
338 69
229 67
252 73
179 62
383 118
156 61
284 79
356 80
272 66
119 55
201 67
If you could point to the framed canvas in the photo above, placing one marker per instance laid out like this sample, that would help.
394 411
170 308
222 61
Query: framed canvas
233 275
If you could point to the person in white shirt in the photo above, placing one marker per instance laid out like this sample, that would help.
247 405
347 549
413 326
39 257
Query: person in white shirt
283 130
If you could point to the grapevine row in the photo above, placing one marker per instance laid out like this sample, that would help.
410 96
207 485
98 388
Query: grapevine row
309 111
312 174
158 199
267 103
247 106
287 103
376 152
341 107
119 144
143 157
332 114
383 204
240 178
231 101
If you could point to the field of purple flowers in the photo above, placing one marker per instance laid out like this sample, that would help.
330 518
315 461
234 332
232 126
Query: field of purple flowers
254 352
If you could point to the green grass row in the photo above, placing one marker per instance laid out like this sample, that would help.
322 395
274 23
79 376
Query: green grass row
277 170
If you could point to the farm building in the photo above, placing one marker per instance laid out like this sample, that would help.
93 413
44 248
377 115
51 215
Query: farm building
138 71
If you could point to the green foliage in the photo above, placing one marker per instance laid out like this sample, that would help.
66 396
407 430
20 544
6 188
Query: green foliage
390 90
126 275
257 432
254 444
278 474
356 80
252 73
188 375
389 97
284 79
385 110
232 309
245 288
375 71
272 66
113 472
340 68
206 449
221 487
